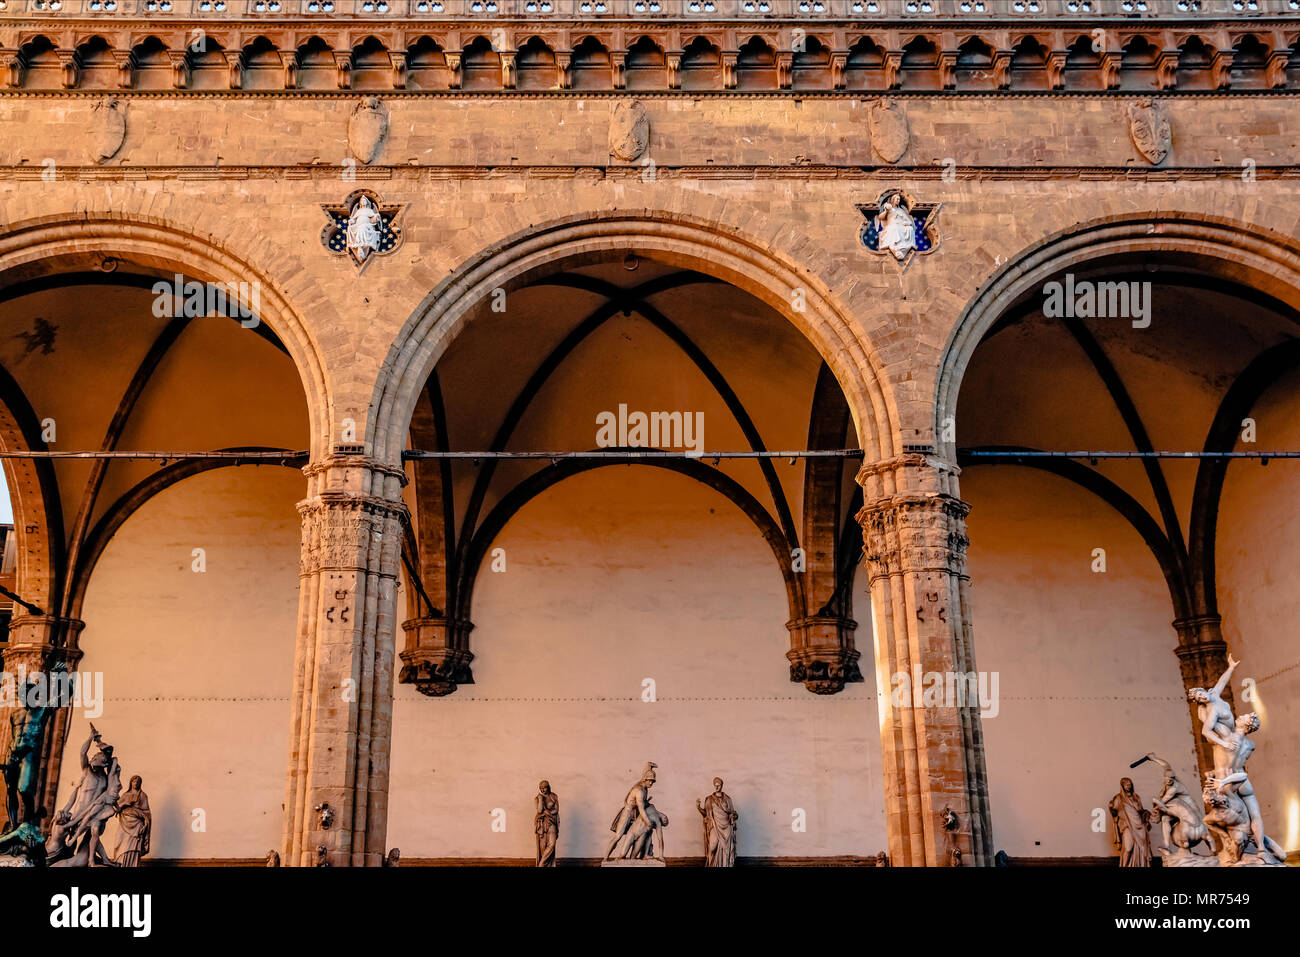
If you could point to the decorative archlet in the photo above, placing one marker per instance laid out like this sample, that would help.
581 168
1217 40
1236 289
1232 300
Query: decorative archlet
367 129
388 234
629 130
889 131
107 130
1150 130
886 230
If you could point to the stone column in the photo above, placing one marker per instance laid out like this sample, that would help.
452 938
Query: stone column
914 528
1202 659
343 672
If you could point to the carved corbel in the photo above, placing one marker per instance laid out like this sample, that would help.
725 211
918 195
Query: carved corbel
13 64
618 69
674 61
784 70
289 60
1002 69
1056 70
948 70
1220 71
562 63
1167 70
1110 63
235 68
838 62
508 69
453 69
125 66
893 70
343 68
821 655
68 61
729 71
436 658
1275 69
399 69
180 68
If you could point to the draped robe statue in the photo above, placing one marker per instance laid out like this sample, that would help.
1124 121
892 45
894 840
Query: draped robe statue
546 824
719 827
1129 826
897 228
363 228
135 824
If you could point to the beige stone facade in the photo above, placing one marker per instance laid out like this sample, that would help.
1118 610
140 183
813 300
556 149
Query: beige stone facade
503 185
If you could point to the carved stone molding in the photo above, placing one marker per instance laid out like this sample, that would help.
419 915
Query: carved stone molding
822 655
436 658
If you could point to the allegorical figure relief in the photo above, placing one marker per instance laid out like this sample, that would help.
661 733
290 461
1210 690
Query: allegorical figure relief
896 226
639 826
546 824
77 828
135 824
363 228
719 827
1129 827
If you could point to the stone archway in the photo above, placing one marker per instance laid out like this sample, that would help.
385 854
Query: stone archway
915 537
1175 516
37 256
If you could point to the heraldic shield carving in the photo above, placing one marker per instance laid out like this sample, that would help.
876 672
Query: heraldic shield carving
889 132
1149 127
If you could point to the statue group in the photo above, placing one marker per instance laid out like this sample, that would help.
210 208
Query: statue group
1226 818
638 827
95 799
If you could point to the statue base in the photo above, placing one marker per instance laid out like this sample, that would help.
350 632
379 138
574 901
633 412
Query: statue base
647 862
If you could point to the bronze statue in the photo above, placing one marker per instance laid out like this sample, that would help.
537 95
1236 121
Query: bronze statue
719 827
546 824
21 766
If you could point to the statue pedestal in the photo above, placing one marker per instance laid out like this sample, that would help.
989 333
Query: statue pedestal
648 862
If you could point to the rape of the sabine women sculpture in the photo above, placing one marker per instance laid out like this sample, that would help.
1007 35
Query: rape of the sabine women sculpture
638 827
1231 817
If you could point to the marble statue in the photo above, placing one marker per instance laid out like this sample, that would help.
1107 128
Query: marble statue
719 827
363 228
897 228
272 858
77 828
1231 781
394 858
1182 820
546 824
1129 822
639 826
1215 714
135 824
